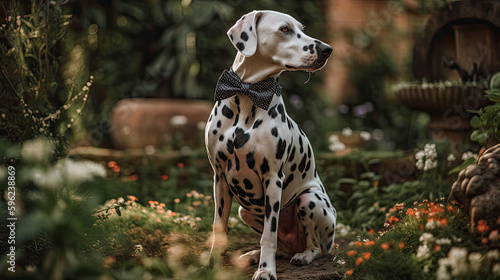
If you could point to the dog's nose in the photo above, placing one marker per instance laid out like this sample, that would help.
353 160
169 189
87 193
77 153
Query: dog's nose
325 49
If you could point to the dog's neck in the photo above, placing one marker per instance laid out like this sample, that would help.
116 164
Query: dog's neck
253 69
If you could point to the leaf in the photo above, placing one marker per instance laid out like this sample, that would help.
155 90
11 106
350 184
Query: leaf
475 122
467 162
495 81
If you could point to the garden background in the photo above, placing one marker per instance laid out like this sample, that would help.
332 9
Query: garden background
104 169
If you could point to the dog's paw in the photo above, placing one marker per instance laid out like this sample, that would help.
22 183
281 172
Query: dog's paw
264 274
249 258
304 258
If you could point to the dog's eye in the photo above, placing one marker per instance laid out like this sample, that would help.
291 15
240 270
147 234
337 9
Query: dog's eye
285 29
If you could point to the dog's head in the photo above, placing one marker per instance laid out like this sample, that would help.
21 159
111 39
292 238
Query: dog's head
280 39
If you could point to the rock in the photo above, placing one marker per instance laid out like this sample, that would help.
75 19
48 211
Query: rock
478 189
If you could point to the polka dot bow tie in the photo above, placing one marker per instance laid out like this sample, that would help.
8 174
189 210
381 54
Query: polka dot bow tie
260 93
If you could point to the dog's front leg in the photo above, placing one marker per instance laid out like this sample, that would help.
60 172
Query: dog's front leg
269 239
222 201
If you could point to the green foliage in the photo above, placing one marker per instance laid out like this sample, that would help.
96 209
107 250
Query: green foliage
486 123
33 93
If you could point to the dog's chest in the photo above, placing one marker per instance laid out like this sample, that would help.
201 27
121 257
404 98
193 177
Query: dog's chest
250 147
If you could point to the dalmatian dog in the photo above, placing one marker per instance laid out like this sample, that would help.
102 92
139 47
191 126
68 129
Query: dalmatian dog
259 155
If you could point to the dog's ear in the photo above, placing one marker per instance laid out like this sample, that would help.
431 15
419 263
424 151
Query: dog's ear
243 34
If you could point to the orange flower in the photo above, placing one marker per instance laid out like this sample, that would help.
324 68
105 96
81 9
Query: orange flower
150 202
498 220
351 253
450 208
393 220
385 246
111 163
484 240
436 209
116 168
375 183
371 231
132 198
367 255
437 248
399 206
359 261
358 243
180 165
349 272
158 220
443 222
156 203
370 243
482 226
401 245
410 212
177 200
132 178
164 177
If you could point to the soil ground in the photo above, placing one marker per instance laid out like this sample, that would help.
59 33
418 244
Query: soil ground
321 269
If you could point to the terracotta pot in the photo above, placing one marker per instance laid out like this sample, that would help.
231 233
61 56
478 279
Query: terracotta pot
138 123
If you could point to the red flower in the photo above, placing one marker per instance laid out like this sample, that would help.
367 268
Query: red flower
482 226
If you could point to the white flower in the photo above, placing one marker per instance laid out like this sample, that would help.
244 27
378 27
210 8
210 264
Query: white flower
493 255
67 172
443 241
178 120
420 155
365 135
458 260
138 248
432 224
342 230
468 155
36 150
442 271
496 268
423 252
335 144
347 131
451 157
475 261
425 237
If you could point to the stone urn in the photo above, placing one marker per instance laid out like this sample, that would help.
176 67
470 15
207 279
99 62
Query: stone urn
478 189
159 123
448 105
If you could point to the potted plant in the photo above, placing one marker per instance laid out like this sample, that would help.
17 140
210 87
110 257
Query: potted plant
486 123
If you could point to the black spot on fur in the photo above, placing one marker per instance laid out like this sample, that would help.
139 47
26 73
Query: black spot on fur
222 156
241 138
228 113
257 123
288 181
298 36
273 224
229 165
272 112
237 162
219 123
221 137
278 184
268 207
331 233
292 155
276 206
302 213
324 212
248 184
264 167
231 36
230 146
220 212
244 36
302 164
305 48
214 132
294 166
240 46
280 148
274 132
281 110
250 160
312 205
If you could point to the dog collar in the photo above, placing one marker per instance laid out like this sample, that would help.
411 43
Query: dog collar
260 93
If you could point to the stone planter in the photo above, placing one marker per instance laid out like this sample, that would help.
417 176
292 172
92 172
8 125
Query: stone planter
159 123
448 105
